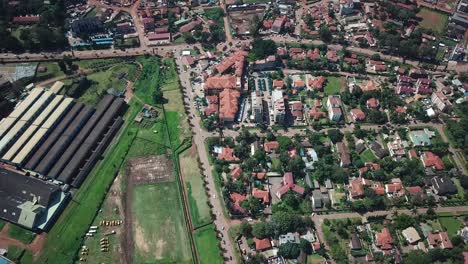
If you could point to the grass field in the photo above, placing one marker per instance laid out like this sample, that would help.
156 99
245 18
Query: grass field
148 79
159 229
367 155
20 234
333 85
15 253
450 224
53 70
315 259
433 20
198 200
2 224
208 245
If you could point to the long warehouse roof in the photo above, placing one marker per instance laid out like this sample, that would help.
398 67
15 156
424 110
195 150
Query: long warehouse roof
38 105
58 85
15 130
19 110
44 148
34 141
90 141
31 129
48 110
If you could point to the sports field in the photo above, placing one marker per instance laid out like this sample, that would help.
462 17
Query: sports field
433 20
159 230
367 155
198 200
208 245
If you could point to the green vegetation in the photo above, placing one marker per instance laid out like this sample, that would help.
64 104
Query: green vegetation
21 234
367 155
198 200
315 259
208 245
333 85
433 20
159 225
2 224
451 224
15 253
148 80
52 71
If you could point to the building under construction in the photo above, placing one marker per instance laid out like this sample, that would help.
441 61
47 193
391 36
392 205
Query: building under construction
54 137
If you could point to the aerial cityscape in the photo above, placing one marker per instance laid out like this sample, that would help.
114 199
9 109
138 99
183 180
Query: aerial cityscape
233 131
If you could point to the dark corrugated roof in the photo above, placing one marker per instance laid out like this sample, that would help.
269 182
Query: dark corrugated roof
60 145
103 105
90 142
52 138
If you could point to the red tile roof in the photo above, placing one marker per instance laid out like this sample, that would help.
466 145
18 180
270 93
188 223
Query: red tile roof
430 159
356 189
227 154
189 27
236 59
237 199
270 146
158 36
278 83
384 239
262 244
316 115
370 86
415 190
317 83
236 172
228 104
358 114
299 83
264 195
220 82
439 240
26 19
372 103
289 185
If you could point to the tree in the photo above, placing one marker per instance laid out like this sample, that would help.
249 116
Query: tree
464 182
262 49
305 246
403 221
260 230
158 96
416 257
325 33
289 250
335 135
245 229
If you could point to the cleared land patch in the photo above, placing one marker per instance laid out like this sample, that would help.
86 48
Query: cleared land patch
433 20
152 169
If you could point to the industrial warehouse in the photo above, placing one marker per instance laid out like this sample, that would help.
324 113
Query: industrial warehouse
55 138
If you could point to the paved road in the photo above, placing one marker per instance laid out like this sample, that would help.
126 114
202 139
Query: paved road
222 222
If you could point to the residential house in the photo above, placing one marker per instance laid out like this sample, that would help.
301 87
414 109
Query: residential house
384 241
421 137
236 172
316 83
227 154
411 235
263 195
441 102
404 85
319 199
289 185
257 107
148 24
463 233
315 114
414 192
216 84
397 147
370 86
372 103
357 115
443 186
345 158
237 199
394 188
356 189
378 150
278 24
296 108
431 160
26 20
355 243
289 238
278 84
262 244
423 86
228 105
278 110
271 146
334 107
439 240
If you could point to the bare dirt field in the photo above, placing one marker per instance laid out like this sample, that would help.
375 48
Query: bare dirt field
153 169
241 20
